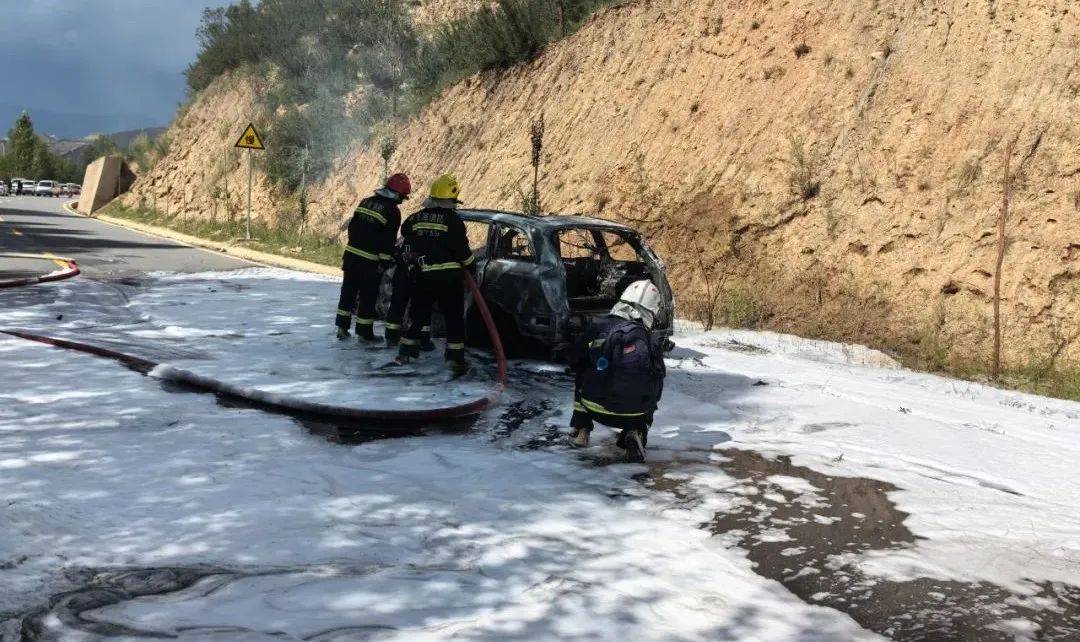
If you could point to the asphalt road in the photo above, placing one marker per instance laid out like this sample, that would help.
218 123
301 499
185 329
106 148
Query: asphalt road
39 225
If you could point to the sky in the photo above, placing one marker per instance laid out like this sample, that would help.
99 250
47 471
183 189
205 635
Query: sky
84 66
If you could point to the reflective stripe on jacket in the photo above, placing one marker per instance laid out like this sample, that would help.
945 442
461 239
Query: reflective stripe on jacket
436 236
373 230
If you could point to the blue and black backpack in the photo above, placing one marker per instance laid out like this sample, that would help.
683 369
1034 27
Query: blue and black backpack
627 368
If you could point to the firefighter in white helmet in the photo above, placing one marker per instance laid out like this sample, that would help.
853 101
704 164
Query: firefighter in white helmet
620 371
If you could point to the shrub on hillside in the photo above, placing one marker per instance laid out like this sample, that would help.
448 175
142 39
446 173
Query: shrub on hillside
228 38
497 36
320 51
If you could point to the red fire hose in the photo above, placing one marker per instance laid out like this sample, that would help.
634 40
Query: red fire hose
489 322
70 270
170 373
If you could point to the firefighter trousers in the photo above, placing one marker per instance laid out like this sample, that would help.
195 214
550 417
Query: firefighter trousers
402 286
445 288
586 414
359 292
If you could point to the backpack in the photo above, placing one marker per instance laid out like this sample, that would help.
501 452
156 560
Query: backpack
625 372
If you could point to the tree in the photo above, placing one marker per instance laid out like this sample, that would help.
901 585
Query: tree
24 143
102 146
1003 215
43 164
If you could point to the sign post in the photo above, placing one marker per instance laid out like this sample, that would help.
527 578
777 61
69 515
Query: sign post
249 140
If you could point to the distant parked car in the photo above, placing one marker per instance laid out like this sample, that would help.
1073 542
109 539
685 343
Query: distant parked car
44 188
75 189
28 187
18 185
3 188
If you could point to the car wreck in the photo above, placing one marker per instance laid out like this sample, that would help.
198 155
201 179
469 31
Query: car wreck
546 277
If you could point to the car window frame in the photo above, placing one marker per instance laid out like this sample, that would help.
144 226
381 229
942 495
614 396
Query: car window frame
631 238
556 240
494 235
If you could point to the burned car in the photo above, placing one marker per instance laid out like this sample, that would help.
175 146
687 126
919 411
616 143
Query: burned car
545 277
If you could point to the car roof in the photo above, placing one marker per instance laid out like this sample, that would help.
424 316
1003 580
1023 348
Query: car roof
549 222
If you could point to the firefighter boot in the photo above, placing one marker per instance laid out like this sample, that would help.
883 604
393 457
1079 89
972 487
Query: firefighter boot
425 339
408 350
455 354
634 442
392 335
342 333
580 438
365 330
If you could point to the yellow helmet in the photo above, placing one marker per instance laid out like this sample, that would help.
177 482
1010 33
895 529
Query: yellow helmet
446 188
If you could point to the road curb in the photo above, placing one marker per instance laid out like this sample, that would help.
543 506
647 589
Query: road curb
255 256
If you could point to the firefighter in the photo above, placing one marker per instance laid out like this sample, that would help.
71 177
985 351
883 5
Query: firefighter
438 249
401 291
372 232
620 371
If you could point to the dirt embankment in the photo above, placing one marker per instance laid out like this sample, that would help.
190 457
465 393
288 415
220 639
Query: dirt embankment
203 175
833 167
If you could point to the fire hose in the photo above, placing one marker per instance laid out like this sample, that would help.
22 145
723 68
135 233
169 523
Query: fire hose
171 373
69 270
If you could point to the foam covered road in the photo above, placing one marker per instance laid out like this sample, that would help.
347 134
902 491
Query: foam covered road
796 490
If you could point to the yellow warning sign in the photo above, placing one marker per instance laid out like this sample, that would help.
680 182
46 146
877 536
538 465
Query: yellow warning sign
250 139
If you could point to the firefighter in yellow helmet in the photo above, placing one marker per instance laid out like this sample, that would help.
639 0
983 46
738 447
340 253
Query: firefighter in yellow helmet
434 242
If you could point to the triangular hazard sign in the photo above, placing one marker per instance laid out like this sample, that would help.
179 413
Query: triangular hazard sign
250 139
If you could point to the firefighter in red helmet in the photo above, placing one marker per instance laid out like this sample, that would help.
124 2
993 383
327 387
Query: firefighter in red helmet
373 232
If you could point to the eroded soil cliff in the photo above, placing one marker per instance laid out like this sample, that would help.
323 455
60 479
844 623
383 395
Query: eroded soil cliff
831 167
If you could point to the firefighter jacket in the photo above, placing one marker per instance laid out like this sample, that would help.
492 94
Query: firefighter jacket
620 368
434 239
373 231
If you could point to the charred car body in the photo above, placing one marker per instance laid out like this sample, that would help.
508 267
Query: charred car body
546 277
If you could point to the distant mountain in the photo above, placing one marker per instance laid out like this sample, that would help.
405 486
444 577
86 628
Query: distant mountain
73 125
72 149
125 138
69 149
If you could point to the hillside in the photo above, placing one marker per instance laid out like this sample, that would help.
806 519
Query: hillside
833 168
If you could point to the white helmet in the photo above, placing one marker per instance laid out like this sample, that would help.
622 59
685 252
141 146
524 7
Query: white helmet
641 300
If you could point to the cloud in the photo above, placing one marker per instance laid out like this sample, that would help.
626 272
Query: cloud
100 57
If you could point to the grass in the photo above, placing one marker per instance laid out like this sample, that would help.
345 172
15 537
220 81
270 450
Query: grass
1035 377
969 173
740 309
1063 383
280 240
835 315
803 177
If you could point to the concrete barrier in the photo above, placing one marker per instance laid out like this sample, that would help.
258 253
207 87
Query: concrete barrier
105 179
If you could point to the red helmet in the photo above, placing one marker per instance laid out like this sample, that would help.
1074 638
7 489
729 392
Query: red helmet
400 184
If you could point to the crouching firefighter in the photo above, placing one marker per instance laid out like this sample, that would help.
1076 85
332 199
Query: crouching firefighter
372 233
620 371
439 250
